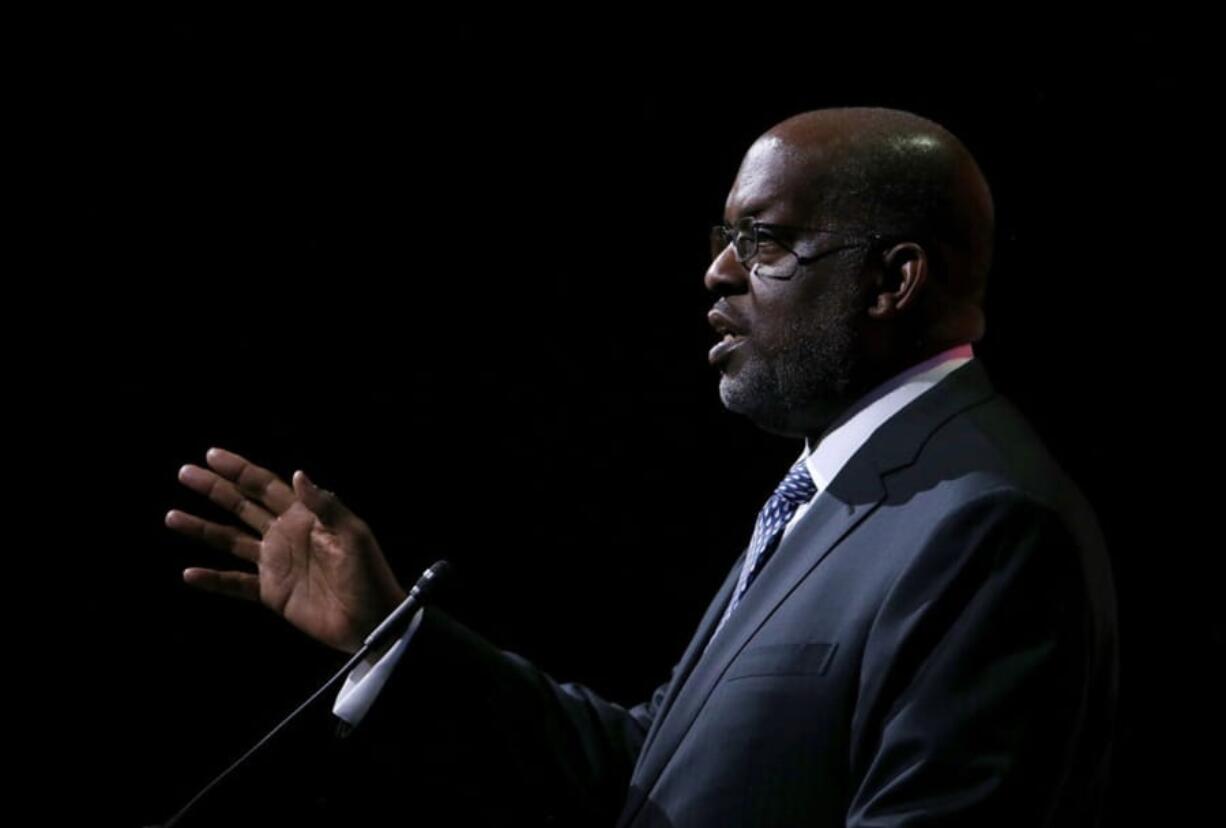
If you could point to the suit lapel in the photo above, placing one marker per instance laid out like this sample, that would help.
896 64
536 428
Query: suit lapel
694 650
817 533
851 497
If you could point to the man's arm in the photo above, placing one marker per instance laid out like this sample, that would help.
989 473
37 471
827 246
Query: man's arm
979 676
457 716
460 715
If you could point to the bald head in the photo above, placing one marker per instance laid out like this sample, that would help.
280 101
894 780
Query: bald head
897 174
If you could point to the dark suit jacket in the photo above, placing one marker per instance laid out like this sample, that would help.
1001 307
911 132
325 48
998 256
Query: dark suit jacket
934 643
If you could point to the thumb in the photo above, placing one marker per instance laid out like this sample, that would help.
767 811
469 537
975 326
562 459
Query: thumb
326 506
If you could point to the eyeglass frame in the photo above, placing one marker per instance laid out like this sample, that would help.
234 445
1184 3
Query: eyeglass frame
732 233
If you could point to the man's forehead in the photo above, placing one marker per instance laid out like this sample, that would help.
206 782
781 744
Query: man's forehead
777 181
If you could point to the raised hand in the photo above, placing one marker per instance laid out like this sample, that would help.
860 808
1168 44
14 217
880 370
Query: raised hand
317 564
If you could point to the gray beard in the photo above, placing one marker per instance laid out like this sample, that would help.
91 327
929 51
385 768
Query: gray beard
800 387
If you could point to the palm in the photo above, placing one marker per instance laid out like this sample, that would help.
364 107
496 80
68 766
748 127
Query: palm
318 565
309 574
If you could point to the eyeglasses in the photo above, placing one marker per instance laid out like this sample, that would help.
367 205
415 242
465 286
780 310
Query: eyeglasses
775 259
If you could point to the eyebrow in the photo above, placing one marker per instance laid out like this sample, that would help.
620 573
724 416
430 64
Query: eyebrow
753 212
772 226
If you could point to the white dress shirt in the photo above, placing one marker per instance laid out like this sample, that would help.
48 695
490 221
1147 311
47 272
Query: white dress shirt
851 430
834 448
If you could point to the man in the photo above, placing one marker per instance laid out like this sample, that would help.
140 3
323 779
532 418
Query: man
922 628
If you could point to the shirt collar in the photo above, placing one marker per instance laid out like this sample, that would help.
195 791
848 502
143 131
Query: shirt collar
855 425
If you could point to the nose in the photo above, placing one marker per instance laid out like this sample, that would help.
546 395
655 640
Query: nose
726 275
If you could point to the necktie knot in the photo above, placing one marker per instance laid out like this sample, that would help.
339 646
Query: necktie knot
797 487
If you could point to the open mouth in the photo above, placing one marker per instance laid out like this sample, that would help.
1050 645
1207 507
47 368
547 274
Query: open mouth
724 347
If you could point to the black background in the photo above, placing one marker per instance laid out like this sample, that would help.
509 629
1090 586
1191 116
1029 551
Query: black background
453 269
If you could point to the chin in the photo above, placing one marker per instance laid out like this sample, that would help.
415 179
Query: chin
767 408
755 406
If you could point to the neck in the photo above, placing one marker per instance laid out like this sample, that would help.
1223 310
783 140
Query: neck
873 377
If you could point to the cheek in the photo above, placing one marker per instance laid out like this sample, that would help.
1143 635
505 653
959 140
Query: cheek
788 323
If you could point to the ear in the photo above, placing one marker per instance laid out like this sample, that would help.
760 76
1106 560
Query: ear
904 269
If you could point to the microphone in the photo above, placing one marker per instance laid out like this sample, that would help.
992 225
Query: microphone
399 619
393 625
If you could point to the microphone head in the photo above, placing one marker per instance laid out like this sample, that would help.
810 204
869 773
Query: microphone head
439 570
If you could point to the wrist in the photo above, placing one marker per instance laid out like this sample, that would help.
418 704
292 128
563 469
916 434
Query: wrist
378 610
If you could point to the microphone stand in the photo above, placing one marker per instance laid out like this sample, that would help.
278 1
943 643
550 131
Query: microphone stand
393 625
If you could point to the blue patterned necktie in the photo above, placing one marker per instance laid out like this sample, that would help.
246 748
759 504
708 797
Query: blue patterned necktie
796 489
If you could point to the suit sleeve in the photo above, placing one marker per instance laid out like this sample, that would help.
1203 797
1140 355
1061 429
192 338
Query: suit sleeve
483 728
976 672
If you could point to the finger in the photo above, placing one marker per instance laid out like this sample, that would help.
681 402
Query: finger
256 482
226 495
234 584
226 538
326 505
